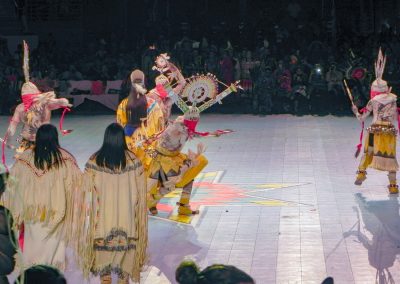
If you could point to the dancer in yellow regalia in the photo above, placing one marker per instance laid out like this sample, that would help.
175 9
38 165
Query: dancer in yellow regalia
380 141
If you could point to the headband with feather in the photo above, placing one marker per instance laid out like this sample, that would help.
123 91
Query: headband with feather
25 65
380 65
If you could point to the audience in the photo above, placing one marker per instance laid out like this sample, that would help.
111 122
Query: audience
307 69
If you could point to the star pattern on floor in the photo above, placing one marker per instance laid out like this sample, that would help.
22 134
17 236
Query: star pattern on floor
209 191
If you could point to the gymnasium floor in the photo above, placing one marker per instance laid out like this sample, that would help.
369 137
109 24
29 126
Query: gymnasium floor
277 200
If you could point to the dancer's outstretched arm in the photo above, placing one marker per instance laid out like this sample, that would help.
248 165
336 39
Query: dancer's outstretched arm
16 119
364 114
55 103
179 77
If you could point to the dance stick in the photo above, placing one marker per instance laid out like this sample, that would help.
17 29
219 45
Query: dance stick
348 91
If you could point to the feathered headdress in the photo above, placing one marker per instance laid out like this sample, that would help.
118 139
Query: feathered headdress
165 56
379 86
28 88
200 93
380 65
162 63
25 65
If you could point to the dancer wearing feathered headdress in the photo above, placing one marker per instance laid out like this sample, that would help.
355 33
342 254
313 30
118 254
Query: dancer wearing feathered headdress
380 141
169 167
34 111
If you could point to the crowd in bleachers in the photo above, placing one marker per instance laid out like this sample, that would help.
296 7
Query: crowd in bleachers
294 66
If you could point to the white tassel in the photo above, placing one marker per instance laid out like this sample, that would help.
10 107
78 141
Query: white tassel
140 89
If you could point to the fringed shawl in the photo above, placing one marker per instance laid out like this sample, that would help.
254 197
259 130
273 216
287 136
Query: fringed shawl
115 199
50 196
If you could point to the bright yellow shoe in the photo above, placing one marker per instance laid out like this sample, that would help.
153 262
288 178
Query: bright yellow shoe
186 210
393 188
361 176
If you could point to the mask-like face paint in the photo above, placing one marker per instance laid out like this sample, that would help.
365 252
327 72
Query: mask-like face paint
161 62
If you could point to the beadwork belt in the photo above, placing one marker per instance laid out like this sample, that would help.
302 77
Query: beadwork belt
382 127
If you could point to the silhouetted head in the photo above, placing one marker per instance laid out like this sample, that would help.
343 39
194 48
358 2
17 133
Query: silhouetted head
188 273
42 274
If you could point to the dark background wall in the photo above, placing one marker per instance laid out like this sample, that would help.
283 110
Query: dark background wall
133 20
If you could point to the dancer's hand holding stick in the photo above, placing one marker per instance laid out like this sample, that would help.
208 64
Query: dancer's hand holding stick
348 91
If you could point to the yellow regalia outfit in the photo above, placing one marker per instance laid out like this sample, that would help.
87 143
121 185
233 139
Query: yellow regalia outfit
170 168
153 125
150 125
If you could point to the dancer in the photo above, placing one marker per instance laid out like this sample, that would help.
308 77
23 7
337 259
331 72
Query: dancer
42 195
169 167
164 93
140 116
117 238
34 111
380 141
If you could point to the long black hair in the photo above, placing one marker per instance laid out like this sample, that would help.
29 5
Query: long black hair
112 154
47 152
136 107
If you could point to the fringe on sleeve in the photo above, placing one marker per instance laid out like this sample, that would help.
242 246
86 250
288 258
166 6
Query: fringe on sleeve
141 225
86 224
12 197
74 203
